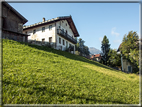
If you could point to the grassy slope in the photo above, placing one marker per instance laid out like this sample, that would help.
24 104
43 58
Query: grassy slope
40 75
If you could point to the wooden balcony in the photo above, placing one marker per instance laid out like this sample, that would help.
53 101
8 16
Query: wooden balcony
66 36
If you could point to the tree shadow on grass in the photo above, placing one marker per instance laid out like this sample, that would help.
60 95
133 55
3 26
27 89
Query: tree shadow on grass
47 90
70 97
68 55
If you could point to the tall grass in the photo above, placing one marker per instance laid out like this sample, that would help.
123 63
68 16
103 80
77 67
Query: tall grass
41 75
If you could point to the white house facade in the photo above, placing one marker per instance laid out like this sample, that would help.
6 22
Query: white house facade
59 32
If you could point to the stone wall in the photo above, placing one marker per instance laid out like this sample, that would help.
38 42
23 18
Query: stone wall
14 36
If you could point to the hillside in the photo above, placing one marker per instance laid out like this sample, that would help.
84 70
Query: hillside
41 75
94 50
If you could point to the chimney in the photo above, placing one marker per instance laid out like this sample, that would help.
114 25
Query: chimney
43 19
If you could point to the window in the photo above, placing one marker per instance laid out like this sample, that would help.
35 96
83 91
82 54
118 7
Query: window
66 31
129 69
63 31
126 62
50 27
43 40
62 21
43 29
67 44
63 42
34 31
26 32
50 39
66 24
59 27
73 47
60 40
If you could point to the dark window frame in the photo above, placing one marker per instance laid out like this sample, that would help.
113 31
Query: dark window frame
63 42
43 40
59 40
50 39
67 43
50 27
43 29
34 31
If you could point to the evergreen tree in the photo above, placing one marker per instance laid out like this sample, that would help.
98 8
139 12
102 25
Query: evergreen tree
105 50
81 46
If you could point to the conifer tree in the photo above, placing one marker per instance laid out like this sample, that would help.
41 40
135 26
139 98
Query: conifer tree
105 50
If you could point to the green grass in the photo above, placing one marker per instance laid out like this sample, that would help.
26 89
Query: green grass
41 75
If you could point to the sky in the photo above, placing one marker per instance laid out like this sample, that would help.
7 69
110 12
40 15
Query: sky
92 20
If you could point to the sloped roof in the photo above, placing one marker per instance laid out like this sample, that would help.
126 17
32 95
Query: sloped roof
68 18
119 48
92 56
97 55
14 11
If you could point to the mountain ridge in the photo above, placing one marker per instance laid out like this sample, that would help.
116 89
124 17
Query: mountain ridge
94 50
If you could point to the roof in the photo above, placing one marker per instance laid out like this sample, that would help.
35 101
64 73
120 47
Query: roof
119 48
97 55
92 56
68 18
16 12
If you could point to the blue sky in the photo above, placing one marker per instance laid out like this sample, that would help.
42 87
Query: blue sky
92 20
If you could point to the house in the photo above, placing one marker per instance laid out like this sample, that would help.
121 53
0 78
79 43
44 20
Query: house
98 57
125 64
60 33
92 57
12 24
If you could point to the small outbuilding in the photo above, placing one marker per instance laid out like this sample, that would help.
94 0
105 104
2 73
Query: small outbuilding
12 24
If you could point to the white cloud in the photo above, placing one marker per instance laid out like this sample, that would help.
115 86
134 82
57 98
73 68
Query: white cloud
100 39
113 32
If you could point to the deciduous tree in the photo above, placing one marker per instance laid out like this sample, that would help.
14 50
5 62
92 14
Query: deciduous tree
130 49
114 58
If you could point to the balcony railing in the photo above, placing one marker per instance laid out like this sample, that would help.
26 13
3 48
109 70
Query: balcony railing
66 36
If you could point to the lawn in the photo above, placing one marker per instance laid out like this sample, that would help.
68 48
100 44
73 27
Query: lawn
41 75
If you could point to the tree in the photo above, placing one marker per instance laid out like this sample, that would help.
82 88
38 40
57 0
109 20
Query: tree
114 58
86 50
105 50
77 46
130 49
81 48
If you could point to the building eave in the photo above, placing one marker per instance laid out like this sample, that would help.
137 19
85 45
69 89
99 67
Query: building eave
68 18
14 32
